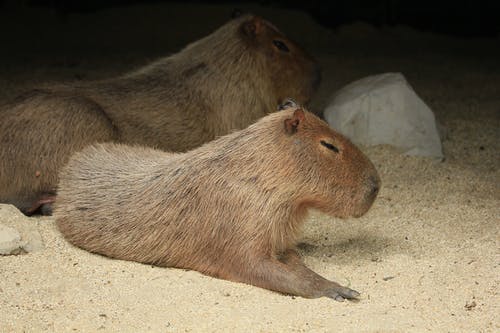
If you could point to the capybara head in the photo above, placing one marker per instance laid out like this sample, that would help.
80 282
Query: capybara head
292 71
337 177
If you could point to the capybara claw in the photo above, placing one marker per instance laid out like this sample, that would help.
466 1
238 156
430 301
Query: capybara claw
351 294
341 293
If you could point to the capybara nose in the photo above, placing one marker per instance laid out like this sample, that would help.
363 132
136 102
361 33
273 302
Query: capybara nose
374 185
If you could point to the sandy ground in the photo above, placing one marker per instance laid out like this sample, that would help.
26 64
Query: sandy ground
425 257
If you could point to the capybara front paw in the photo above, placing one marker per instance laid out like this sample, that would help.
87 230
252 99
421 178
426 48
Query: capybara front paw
340 293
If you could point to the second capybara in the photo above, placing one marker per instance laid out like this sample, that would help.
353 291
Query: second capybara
217 84
232 208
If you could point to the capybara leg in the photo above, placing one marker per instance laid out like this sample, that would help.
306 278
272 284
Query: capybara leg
289 275
43 205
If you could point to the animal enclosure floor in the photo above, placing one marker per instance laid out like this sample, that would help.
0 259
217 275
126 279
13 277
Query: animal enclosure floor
425 257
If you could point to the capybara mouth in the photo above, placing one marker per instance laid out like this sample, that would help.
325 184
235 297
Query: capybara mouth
374 187
366 199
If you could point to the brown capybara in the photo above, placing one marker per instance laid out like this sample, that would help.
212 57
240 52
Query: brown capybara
232 209
217 84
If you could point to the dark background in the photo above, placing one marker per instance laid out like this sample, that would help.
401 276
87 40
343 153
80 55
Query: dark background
460 18
55 32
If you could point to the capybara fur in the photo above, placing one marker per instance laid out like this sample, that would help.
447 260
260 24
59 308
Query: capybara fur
218 84
232 208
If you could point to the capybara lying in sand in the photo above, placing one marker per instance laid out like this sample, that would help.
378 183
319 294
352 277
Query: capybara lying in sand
219 83
232 209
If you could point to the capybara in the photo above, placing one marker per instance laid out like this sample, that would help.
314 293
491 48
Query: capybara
232 208
220 83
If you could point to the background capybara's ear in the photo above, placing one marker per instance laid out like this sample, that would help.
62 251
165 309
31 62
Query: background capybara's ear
236 13
252 27
292 124
287 103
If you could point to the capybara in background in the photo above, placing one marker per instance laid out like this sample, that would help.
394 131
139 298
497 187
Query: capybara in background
232 208
217 84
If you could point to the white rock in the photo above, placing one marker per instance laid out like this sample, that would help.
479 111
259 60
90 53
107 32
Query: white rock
384 109
18 233
10 241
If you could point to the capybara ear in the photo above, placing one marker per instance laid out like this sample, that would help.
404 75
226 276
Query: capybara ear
253 27
292 124
286 104
236 13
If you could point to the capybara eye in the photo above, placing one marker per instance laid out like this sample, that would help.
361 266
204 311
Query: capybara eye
329 146
280 45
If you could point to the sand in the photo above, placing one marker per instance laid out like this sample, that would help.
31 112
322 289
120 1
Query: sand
425 257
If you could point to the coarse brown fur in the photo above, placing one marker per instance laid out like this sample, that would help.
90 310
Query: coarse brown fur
217 84
232 208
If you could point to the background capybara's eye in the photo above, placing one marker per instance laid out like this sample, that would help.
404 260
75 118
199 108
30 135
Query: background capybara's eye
280 45
329 146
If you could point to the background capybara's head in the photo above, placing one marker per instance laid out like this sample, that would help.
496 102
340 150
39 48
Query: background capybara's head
292 71
337 177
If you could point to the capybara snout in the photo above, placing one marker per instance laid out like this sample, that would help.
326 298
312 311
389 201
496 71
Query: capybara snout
369 193
373 186
366 187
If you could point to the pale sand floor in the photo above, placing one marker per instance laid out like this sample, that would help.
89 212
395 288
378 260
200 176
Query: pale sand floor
427 248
